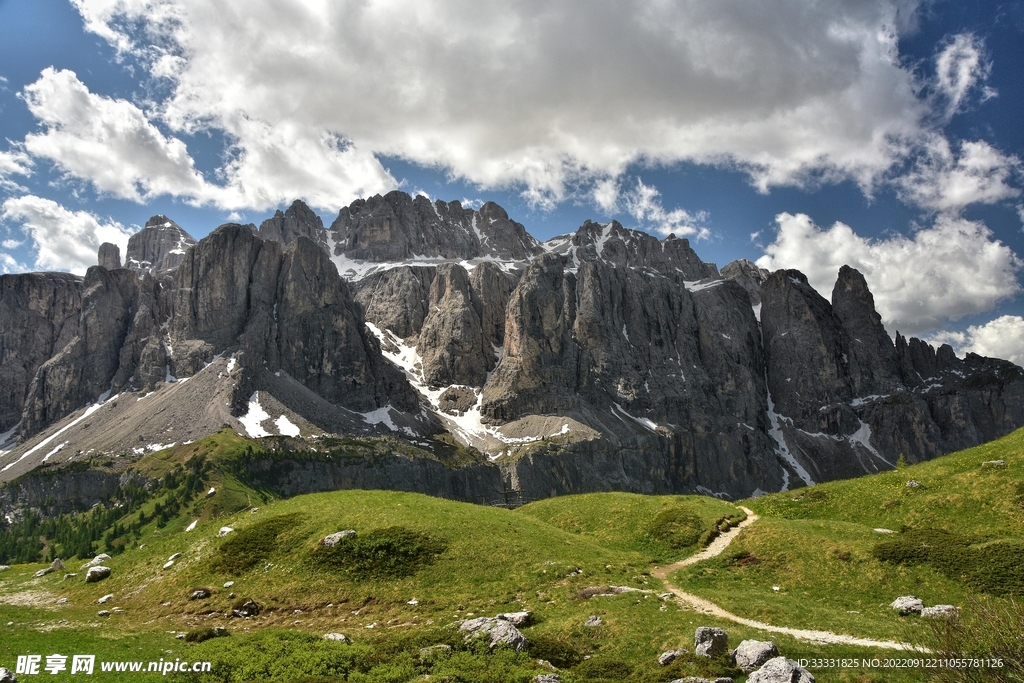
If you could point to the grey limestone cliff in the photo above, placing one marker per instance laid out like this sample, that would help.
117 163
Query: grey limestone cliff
159 246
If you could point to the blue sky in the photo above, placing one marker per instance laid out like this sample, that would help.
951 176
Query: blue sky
881 133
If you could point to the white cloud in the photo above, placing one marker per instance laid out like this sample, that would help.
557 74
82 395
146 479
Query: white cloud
999 338
959 67
920 283
63 239
9 264
945 181
109 142
528 93
15 162
643 203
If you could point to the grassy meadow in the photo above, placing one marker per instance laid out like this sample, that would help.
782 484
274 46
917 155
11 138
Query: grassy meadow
420 565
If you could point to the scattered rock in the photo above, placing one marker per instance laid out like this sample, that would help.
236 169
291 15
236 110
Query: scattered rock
179 635
499 631
939 612
168 564
97 573
211 492
231 596
333 539
219 631
58 566
913 484
750 654
6 676
989 464
883 531
248 608
907 604
592 621
667 596
103 613
339 637
666 658
4 567
106 598
42 572
200 594
62 601
96 561
515 618
229 584
70 575
547 678
224 531
173 557
710 642
781 670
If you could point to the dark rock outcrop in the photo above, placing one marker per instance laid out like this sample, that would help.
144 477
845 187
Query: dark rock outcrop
158 247
749 275
109 256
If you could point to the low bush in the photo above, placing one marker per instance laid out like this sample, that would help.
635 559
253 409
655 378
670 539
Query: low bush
678 527
381 553
558 651
246 548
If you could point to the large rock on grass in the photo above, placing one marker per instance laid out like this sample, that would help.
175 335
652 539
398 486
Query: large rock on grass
781 670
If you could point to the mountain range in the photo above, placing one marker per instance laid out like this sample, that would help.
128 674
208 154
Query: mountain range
604 359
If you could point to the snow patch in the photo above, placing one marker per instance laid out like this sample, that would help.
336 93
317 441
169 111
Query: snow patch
191 526
863 437
782 448
54 451
232 362
88 411
254 417
700 285
757 312
286 427
648 424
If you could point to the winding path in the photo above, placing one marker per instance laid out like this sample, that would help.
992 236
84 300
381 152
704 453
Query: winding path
703 606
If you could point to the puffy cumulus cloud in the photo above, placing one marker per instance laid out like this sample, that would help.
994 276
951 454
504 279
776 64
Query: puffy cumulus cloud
999 338
9 264
543 96
946 181
920 283
63 239
109 142
114 145
643 203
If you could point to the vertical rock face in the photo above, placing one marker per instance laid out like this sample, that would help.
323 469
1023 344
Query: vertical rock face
397 227
39 316
452 338
874 368
109 256
159 246
298 220
397 299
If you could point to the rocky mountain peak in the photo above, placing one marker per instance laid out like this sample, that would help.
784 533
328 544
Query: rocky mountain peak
749 275
158 247
109 256
398 227
298 220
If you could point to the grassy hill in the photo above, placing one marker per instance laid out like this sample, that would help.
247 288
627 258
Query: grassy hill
419 565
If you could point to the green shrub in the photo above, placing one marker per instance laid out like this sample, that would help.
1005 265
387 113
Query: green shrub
244 549
558 651
382 553
677 526
604 670
993 568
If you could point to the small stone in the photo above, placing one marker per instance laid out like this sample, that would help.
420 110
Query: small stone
7 676
106 598
173 557
4 567
229 584
211 492
710 642
168 564
97 573
103 613
224 531
592 621
62 601
334 539
990 464
180 636
70 575
499 631
907 604
913 484
750 654
57 565
339 637
200 594
666 658
547 678
231 596
42 572
249 608
939 612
